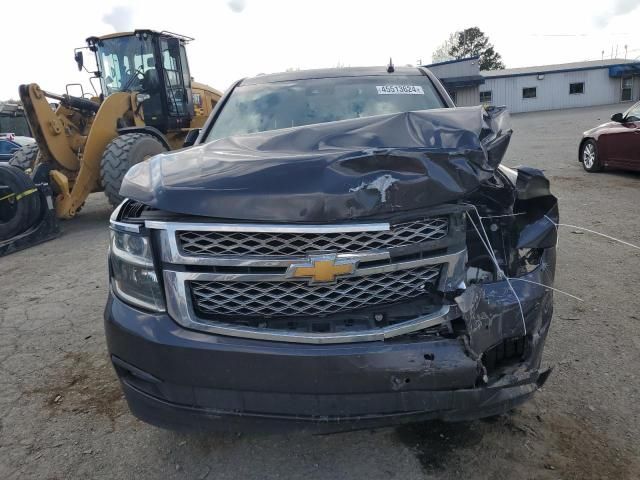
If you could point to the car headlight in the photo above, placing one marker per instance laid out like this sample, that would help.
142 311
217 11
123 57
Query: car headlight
133 275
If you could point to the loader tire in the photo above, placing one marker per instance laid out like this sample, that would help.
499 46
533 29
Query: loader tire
25 157
20 202
121 154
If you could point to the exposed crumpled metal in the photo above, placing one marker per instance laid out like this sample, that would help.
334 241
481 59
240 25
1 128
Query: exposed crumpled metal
331 171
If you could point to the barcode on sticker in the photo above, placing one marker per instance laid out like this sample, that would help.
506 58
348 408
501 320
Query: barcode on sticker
400 90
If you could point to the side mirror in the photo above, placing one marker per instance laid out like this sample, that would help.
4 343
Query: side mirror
79 60
191 138
617 117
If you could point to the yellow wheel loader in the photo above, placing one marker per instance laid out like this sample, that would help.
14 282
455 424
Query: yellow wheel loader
148 103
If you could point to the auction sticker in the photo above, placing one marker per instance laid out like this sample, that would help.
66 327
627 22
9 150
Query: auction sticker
400 90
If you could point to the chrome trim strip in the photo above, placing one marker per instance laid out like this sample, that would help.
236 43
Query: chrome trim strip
125 227
282 277
171 254
266 228
180 309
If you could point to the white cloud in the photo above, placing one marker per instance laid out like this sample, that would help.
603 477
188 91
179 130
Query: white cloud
237 5
120 18
619 8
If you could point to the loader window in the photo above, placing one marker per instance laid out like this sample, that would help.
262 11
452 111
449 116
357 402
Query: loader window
174 80
124 61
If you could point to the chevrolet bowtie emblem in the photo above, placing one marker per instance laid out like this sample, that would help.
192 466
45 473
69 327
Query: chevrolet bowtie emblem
322 268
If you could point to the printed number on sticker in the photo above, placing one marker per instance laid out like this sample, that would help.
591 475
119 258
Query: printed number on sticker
400 90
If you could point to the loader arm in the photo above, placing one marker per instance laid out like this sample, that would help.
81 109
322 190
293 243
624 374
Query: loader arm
54 132
116 110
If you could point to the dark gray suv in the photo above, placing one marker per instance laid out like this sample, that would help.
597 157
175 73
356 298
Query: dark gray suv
339 249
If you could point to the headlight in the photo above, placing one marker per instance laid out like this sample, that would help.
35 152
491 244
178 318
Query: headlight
134 278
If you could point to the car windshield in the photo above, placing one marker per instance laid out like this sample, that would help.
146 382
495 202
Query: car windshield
633 114
258 108
14 124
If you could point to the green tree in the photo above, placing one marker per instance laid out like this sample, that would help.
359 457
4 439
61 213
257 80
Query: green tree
471 42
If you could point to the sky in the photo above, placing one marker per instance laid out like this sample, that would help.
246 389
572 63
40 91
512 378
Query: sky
239 38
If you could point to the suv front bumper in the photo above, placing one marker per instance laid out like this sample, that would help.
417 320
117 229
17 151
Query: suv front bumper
177 378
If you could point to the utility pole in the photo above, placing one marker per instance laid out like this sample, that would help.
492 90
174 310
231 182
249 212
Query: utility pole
625 51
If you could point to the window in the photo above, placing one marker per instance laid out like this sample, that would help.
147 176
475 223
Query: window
452 94
124 61
174 80
633 114
575 88
485 97
529 92
270 106
627 89
7 147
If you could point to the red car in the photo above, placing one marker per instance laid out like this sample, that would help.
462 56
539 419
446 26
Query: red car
614 144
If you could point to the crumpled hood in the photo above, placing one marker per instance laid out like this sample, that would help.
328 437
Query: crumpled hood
331 171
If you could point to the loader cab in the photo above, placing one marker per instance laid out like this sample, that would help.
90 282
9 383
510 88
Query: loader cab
153 64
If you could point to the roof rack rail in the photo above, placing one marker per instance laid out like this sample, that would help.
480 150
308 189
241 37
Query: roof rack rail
182 37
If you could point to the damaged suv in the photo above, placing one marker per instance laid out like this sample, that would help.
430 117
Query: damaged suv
340 249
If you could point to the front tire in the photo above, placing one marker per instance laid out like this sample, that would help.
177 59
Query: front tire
25 158
121 154
589 156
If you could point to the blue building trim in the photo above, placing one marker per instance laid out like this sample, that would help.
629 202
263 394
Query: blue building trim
617 71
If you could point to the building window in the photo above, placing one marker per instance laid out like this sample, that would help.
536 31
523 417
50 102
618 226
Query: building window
575 88
529 92
627 89
485 97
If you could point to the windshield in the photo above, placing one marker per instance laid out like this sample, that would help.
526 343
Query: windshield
124 61
633 114
257 108
14 124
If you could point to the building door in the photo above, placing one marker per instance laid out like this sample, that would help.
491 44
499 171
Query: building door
627 89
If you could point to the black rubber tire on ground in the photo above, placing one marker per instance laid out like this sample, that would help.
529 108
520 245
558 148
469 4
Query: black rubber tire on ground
121 154
589 156
17 214
25 157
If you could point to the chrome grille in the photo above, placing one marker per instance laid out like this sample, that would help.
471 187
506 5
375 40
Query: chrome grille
291 298
212 243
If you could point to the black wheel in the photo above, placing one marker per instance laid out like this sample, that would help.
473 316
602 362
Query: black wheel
25 158
121 154
19 202
589 156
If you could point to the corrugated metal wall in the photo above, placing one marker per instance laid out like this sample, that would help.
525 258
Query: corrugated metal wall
467 97
553 90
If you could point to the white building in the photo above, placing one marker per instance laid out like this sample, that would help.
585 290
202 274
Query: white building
547 87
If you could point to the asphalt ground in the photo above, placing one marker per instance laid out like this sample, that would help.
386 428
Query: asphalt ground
62 414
